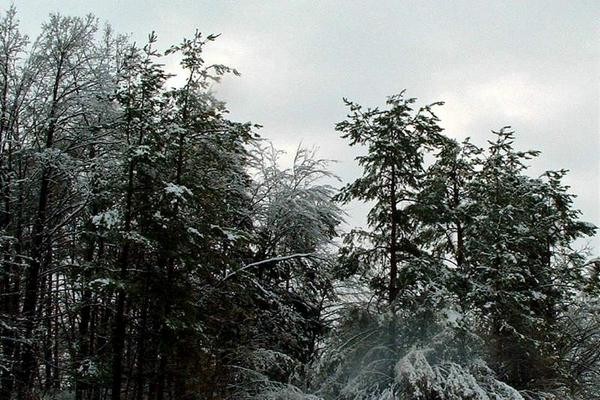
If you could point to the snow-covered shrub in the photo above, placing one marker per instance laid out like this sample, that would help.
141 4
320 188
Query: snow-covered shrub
386 356
416 379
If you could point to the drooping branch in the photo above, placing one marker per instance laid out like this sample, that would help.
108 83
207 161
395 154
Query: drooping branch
268 261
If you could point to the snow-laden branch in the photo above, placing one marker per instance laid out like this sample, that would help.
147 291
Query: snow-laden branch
268 261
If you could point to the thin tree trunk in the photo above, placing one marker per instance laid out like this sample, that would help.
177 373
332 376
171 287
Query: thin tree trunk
47 318
37 246
393 288
140 378
118 336
84 348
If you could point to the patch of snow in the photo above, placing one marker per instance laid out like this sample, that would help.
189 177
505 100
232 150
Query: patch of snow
107 219
177 191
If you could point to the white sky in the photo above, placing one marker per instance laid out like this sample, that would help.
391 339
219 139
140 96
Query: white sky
533 65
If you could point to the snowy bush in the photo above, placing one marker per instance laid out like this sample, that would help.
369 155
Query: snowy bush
384 356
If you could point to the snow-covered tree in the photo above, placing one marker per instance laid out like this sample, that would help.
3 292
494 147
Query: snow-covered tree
152 248
397 139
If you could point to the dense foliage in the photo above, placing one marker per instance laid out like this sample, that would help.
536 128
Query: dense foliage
152 248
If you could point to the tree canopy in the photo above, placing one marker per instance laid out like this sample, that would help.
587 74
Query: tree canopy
153 248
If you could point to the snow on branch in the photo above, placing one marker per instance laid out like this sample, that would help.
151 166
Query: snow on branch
268 261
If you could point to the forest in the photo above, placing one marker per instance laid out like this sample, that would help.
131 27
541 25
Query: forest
152 248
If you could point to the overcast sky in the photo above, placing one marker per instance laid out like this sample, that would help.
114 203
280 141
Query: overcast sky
533 65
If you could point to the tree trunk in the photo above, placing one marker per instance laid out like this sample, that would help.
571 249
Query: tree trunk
37 247
118 337
393 288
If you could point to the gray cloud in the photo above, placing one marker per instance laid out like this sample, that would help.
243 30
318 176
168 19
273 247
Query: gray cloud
532 65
